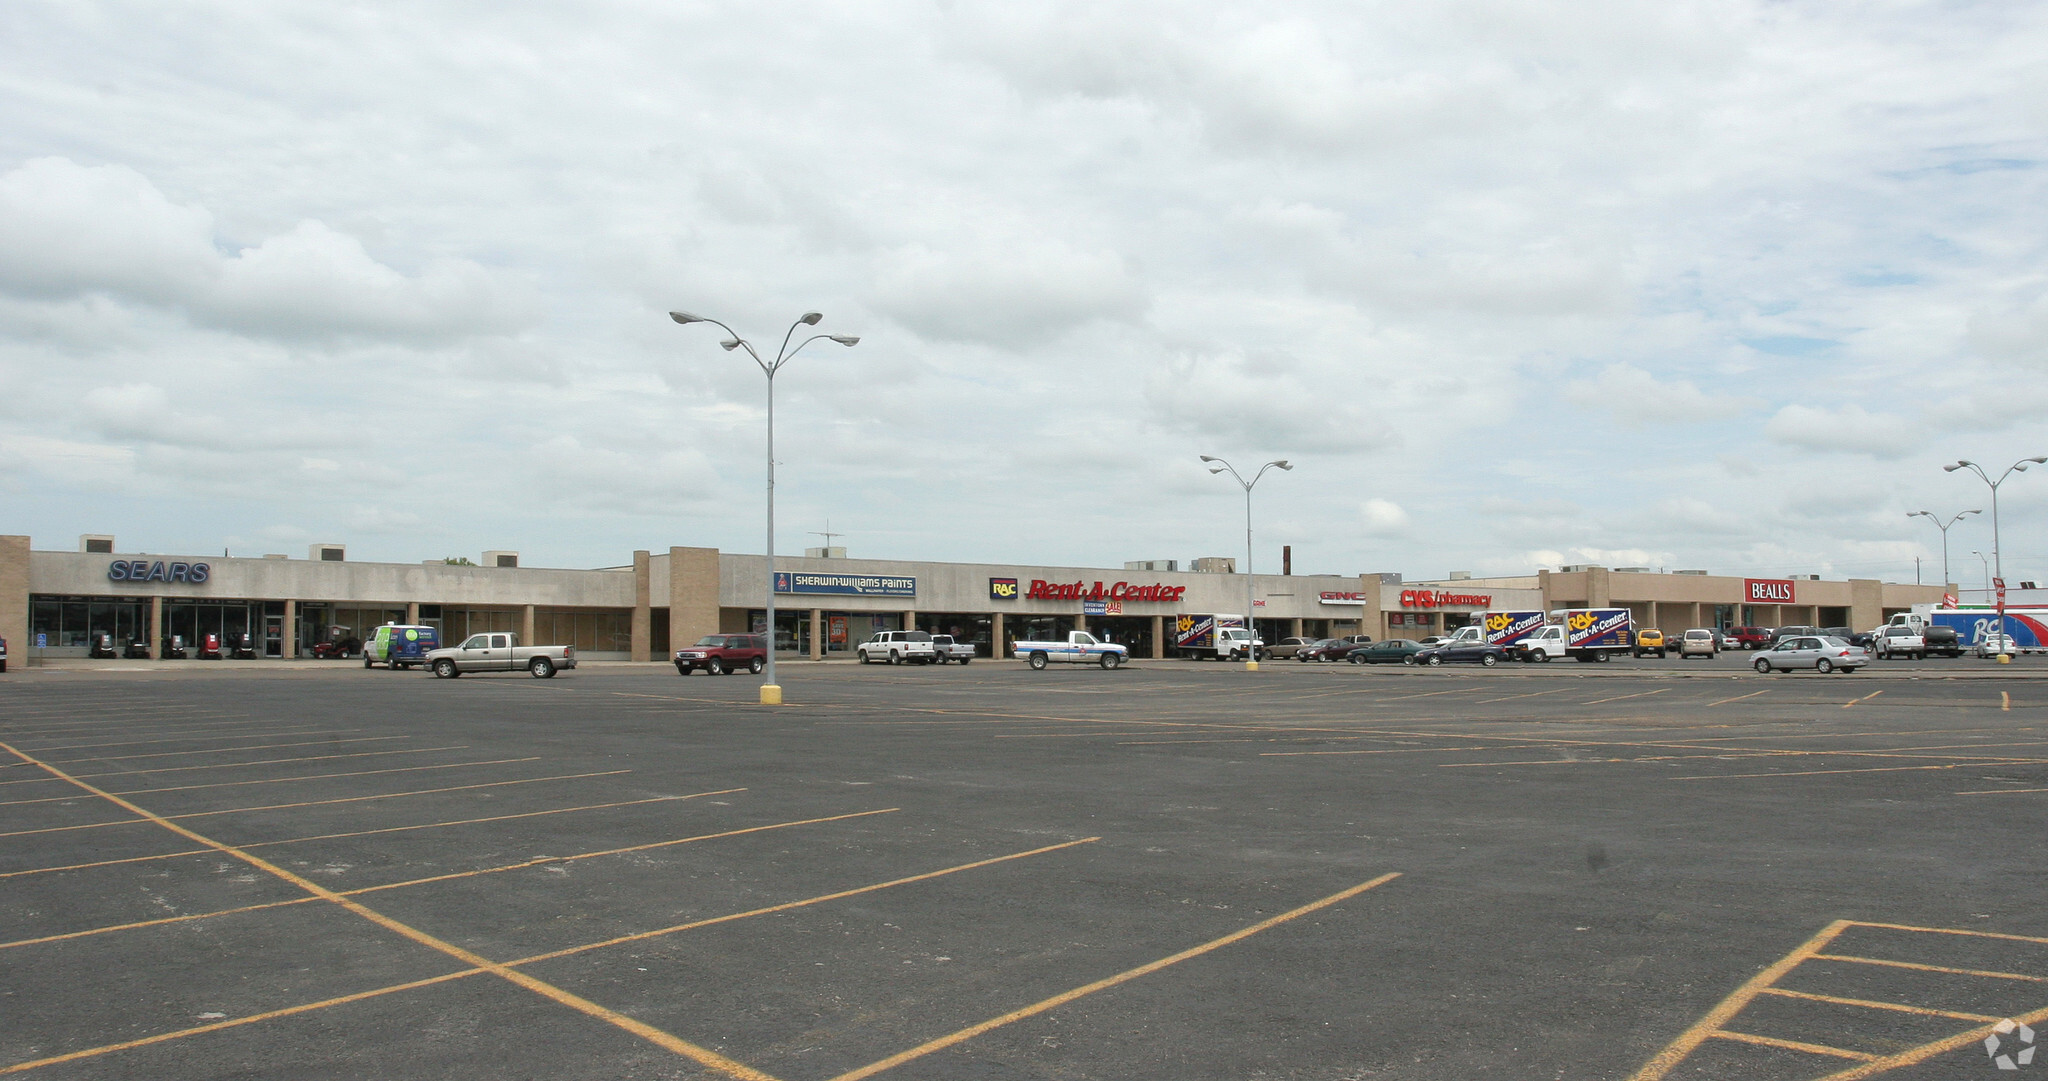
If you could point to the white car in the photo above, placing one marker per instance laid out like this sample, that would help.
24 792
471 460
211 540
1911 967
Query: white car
1994 643
1812 651
898 647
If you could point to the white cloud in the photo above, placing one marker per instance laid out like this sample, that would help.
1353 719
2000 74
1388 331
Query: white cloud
1010 294
1637 398
1382 518
1849 429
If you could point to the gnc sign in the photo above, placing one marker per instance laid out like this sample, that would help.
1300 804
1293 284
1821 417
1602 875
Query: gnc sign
1767 590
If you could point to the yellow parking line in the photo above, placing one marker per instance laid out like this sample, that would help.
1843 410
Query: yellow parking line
241 765
284 780
1895 1007
702 1055
1738 698
1865 698
1620 697
360 890
2005 701
311 803
1918 967
1922 1053
1956 931
1125 976
1512 697
288 730
367 833
223 750
476 971
1819 772
1728 1007
1793 1045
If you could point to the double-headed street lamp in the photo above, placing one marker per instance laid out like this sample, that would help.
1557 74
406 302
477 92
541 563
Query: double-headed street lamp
1218 465
1997 556
1943 526
1986 560
771 691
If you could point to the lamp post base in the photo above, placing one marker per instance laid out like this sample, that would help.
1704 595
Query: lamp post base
1251 666
771 694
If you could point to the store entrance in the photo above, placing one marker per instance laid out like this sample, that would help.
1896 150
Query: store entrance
1133 632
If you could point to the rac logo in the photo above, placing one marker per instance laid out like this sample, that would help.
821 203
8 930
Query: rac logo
1002 589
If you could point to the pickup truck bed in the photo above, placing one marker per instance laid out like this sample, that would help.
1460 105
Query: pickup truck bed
499 653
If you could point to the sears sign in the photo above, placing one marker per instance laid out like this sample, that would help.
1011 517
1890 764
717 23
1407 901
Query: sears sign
1767 590
142 570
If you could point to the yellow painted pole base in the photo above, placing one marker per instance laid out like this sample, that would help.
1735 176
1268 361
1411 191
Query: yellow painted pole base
2005 658
1251 666
771 694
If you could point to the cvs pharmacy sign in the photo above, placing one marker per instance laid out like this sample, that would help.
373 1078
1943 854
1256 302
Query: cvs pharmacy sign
1767 590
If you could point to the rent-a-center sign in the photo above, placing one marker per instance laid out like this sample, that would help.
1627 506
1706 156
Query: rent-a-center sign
1042 590
1767 590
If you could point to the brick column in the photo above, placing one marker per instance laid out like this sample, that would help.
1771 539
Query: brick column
1294 628
995 637
156 627
910 620
643 607
14 604
817 634
289 648
1158 638
526 625
412 613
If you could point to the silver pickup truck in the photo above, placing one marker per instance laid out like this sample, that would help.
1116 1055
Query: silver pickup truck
949 650
499 653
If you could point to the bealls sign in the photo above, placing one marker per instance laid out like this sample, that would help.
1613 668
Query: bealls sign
1767 590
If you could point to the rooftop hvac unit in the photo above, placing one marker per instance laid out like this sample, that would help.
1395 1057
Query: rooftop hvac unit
501 559
1631 570
327 553
1574 568
1690 572
96 542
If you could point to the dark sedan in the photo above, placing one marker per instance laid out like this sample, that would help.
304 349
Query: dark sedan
1462 653
1329 649
1391 651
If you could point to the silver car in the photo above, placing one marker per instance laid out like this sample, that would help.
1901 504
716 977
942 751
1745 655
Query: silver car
1812 651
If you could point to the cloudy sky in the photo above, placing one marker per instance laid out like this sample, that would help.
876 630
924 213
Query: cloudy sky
1512 284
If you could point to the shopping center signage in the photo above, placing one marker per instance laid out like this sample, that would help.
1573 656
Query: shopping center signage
1767 590
1436 598
1331 596
1042 590
859 585
142 570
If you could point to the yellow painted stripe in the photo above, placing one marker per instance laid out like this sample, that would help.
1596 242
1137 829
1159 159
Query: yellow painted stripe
223 750
1957 931
2005 701
1896 1007
1620 697
1865 698
1728 1007
150 818
1814 772
702 1055
1918 967
287 730
395 988
1737 698
285 780
1794 1045
1512 697
1922 1053
786 906
238 765
1126 976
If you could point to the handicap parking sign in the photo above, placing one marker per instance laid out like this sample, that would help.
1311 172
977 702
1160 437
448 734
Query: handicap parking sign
42 641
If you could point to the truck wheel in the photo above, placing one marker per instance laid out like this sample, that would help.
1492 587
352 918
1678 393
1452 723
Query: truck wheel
542 668
1487 660
895 657
863 654
964 660
715 666
756 665
1038 662
366 660
1763 666
1111 660
446 669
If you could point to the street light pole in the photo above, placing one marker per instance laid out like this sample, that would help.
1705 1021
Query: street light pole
771 691
1981 558
1943 526
1218 465
1997 557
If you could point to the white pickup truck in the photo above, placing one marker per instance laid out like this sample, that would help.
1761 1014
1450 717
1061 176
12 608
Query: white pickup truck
1079 648
499 653
949 650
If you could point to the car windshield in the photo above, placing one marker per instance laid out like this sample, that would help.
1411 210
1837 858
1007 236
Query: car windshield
711 640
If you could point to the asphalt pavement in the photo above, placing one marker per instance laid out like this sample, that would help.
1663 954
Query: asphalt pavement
1176 870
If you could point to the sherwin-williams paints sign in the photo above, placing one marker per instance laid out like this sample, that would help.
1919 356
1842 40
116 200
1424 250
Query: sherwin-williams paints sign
859 585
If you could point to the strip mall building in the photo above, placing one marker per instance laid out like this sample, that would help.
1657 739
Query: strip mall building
52 603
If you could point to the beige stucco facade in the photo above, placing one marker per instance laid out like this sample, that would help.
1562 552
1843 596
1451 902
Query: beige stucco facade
662 599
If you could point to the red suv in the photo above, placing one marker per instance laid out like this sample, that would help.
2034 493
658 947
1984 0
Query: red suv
1751 637
722 653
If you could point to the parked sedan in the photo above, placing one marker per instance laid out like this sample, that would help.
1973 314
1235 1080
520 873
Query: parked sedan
1329 649
1484 653
1698 642
1812 651
1290 647
1391 651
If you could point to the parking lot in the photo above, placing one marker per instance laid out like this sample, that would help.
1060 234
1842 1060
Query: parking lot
1175 870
